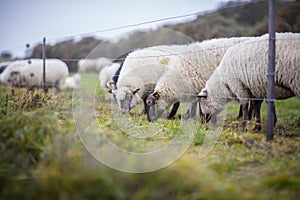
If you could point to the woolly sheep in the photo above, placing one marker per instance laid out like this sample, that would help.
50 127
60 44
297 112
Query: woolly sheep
188 73
242 74
139 82
156 58
5 77
92 65
105 77
31 75
152 55
72 82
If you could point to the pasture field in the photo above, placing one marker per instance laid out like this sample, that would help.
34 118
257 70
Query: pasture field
42 156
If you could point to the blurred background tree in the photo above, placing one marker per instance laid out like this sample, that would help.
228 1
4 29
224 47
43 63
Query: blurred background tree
230 19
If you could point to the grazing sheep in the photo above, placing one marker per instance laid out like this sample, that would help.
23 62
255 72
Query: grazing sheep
188 73
151 55
156 58
5 77
31 75
139 82
112 84
242 74
72 82
105 78
92 65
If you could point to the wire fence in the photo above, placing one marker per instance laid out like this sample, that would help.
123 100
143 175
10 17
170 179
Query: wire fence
207 75
183 53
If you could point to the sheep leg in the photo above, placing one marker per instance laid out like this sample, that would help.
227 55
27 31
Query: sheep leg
252 109
256 106
245 115
240 112
174 110
191 112
146 106
204 118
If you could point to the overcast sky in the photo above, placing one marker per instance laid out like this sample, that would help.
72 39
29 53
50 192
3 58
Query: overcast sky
28 21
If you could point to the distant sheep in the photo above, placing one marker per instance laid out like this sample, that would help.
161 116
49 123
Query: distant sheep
31 75
5 76
92 65
188 73
242 74
72 82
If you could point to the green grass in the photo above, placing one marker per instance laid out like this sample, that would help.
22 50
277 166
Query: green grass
42 156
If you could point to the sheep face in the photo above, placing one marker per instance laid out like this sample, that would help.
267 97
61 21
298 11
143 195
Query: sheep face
157 106
211 104
16 80
127 99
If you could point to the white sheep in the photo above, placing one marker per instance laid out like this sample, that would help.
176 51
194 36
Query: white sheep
188 73
92 65
31 75
72 82
102 62
105 77
5 77
242 74
137 83
132 79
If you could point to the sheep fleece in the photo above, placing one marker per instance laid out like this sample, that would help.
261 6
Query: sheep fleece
189 71
243 72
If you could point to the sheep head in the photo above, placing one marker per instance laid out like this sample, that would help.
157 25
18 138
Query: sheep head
211 104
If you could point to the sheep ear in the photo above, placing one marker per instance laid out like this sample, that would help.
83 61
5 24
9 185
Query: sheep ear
156 95
202 94
136 90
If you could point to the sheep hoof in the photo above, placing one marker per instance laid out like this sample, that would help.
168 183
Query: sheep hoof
257 128
245 125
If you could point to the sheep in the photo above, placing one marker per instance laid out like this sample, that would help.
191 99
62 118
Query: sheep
72 82
31 75
5 77
156 58
102 62
242 73
188 73
112 84
92 65
137 83
105 77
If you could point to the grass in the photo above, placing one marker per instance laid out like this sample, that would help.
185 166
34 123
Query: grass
42 156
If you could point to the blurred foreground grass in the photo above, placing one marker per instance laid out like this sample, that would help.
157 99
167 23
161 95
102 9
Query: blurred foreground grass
42 156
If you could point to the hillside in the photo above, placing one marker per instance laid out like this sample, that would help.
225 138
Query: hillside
227 21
